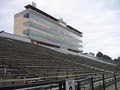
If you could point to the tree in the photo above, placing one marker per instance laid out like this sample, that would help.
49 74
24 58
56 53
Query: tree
119 58
103 56
99 54
106 57
116 60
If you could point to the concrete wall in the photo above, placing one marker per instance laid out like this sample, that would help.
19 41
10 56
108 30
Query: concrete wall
18 23
16 37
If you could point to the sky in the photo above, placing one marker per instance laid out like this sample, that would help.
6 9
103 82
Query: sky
99 20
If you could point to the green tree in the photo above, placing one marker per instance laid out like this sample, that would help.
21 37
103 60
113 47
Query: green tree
103 56
99 54
107 57
118 59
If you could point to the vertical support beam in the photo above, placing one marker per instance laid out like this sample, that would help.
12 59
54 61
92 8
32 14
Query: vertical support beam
91 83
5 70
103 78
64 85
1 81
50 87
24 80
78 86
115 81
60 86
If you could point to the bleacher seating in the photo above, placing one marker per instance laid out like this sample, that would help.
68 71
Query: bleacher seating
19 60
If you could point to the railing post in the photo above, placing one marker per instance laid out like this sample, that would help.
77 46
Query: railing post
91 83
103 81
60 86
64 85
78 86
1 81
115 81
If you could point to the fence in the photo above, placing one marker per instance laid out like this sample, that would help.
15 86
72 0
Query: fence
108 83
70 84
85 83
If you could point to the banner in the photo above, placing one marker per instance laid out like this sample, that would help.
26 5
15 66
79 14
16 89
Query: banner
70 85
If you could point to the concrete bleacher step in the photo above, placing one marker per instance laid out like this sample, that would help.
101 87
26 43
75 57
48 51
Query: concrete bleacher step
37 61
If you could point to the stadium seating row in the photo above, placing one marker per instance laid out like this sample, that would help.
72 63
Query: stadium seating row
19 60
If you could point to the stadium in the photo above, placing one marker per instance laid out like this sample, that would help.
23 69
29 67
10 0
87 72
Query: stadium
41 56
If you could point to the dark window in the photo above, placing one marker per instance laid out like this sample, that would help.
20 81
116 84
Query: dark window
26 15
26 32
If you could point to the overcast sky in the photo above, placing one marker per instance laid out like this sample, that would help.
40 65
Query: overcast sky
99 20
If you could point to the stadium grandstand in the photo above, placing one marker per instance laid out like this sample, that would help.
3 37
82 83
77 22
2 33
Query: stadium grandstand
22 62
45 53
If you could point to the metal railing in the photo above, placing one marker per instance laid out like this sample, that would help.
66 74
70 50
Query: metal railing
80 83
106 82
84 83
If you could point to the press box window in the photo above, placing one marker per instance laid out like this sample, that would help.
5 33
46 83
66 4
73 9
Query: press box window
26 15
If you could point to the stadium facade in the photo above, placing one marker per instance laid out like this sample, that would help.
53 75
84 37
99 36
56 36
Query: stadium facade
45 29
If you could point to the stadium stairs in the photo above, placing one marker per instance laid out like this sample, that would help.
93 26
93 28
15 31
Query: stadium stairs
22 60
